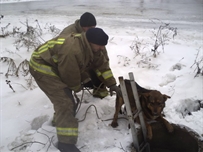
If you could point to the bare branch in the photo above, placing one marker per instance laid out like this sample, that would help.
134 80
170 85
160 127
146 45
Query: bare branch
32 142
9 84
199 63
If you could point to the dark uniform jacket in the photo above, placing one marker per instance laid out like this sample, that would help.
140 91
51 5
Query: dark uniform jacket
76 28
67 57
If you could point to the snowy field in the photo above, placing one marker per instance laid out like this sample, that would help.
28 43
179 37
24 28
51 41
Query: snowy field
26 113
16 1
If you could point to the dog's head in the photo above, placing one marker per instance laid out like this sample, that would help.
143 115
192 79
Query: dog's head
154 102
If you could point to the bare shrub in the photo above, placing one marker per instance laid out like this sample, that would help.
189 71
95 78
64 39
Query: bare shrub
123 60
146 62
14 70
30 83
4 30
198 63
23 68
30 38
162 36
11 66
1 16
9 84
138 45
52 29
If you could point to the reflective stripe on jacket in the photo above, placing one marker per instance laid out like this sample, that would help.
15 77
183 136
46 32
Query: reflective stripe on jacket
105 75
68 57
38 54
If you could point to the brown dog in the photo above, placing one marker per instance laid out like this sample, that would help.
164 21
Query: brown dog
152 103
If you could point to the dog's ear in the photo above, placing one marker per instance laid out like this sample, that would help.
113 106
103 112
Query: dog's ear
165 97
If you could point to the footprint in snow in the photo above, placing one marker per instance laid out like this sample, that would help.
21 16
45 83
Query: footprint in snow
188 106
168 78
177 66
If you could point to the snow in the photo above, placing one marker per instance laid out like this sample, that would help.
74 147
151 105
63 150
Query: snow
26 114
16 1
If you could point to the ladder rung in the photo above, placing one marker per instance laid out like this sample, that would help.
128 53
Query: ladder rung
138 111
146 145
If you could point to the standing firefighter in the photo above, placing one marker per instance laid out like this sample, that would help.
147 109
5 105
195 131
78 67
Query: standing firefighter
57 66
89 78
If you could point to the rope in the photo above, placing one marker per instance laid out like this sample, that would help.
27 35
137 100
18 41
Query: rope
98 115
86 113
97 88
118 118
79 103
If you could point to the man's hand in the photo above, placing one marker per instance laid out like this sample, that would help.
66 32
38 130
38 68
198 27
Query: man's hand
116 89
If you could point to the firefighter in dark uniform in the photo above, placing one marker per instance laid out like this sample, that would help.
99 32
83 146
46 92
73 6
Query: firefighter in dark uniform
57 67
90 79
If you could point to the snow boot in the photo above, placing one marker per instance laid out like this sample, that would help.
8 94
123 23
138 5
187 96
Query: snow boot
63 147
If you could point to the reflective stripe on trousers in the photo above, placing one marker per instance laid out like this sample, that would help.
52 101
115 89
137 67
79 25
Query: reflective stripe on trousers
67 131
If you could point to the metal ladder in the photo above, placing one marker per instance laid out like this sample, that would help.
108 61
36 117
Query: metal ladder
144 145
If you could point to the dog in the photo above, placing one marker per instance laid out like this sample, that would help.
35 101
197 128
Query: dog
152 103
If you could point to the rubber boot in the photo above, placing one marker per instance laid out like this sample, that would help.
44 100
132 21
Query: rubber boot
63 147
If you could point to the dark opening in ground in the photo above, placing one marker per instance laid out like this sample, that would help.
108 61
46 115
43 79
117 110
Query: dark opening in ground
181 140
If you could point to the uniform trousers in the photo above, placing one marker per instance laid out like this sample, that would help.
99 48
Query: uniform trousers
64 105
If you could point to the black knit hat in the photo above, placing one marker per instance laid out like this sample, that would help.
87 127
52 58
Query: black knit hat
97 36
87 19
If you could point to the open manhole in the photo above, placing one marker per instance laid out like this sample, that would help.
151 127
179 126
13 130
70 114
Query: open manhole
181 140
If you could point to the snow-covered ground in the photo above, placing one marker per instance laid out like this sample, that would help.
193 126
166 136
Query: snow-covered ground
26 114
16 1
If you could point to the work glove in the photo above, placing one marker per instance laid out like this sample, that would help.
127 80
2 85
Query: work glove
116 89
88 84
